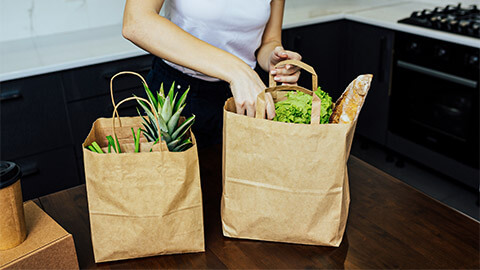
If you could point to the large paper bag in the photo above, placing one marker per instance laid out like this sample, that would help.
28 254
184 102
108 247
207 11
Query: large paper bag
141 204
285 182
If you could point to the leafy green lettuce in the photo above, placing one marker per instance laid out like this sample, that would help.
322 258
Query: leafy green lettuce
297 108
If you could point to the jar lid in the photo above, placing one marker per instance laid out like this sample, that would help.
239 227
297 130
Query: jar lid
9 173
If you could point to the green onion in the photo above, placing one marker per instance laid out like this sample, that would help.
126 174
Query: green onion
111 143
97 148
118 145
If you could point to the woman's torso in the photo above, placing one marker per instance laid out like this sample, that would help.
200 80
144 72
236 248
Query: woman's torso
235 26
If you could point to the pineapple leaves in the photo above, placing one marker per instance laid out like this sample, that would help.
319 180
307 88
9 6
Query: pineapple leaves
172 144
152 118
151 98
182 99
161 92
183 146
148 136
171 91
183 128
173 122
166 137
167 109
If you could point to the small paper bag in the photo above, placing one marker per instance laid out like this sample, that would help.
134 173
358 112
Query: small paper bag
141 204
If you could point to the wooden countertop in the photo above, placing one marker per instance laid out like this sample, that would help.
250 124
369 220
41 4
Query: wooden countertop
390 225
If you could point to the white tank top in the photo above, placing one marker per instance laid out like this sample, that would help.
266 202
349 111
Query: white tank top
235 26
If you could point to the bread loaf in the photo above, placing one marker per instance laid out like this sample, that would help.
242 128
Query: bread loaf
348 106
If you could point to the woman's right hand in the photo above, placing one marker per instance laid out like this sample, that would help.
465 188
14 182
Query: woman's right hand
245 86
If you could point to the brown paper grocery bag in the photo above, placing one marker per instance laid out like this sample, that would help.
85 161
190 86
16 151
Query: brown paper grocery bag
141 204
285 182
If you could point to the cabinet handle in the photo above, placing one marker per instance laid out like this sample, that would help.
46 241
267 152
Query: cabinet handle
381 59
109 75
10 94
437 74
29 168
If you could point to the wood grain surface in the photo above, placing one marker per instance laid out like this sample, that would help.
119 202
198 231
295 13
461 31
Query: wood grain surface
390 225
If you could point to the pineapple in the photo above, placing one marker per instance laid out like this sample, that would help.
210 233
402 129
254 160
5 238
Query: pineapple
168 110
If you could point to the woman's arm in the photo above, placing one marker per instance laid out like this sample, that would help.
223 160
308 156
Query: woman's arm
147 29
271 51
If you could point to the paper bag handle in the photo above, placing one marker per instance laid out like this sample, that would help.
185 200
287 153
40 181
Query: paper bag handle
300 64
115 112
316 102
111 87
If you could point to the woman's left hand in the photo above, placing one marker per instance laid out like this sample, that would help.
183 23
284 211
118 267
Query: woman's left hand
287 74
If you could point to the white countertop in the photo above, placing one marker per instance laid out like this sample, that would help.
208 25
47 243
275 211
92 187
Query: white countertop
45 54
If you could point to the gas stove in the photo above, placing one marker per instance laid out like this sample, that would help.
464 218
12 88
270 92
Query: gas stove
452 18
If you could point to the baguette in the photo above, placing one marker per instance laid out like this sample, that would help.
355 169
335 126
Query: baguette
348 106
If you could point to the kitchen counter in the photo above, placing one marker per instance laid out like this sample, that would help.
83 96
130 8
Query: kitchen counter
50 53
390 225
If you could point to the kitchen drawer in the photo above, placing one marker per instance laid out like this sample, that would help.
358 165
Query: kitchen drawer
33 116
91 81
84 112
48 172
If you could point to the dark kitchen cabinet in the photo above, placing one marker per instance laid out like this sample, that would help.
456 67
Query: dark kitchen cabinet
48 172
89 98
35 133
33 116
95 98
91 81
320 46
45 118
369 49
341 50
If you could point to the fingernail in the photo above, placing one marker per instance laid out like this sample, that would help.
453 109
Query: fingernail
276 78
288 66
273 72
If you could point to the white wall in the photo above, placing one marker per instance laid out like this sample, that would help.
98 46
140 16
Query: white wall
29 18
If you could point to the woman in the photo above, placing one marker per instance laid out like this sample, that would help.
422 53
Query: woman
212 47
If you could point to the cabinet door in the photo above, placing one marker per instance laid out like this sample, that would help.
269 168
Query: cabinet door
84 112
48 172
369 49
91 81
320 46
33 116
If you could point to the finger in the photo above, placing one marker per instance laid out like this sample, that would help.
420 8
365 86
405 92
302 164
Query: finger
287 78
293 55
286 70
240 108
279 54
270 107
250 109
